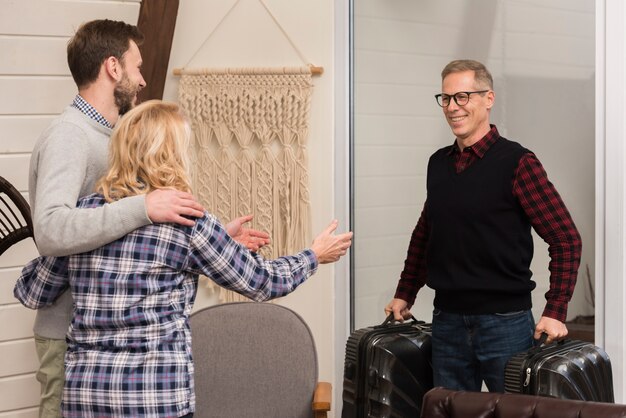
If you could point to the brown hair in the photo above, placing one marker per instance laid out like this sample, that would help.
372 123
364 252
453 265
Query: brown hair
149 150
481 73
96 41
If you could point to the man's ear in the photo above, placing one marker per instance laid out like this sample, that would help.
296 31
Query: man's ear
491 98
113 68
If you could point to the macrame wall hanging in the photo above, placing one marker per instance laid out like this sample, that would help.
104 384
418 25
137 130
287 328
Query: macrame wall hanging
250 129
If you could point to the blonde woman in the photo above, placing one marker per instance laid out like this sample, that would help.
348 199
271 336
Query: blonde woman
129 343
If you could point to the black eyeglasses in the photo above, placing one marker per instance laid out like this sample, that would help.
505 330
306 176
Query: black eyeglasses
461 98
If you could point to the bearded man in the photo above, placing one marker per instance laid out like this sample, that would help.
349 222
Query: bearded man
68 159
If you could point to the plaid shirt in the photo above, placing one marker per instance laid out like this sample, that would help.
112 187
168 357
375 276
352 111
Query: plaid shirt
129 343
82 105
545 210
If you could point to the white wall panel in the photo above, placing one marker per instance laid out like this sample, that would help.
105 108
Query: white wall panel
8 276
14 168
562 52
19 392
399 221
18 134
19 254
402 36
396 68
584 6
33 55
58 17
18 357
32 412
17 322
414 11
395 99
422 130
389 249
406 161
386 277
36 95
377 191
547 20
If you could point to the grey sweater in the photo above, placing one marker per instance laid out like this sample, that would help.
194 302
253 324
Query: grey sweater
68 159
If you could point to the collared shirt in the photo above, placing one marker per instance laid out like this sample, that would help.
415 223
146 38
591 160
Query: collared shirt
547 214
82 105
129 342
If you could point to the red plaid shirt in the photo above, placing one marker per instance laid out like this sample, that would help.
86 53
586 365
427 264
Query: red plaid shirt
547 214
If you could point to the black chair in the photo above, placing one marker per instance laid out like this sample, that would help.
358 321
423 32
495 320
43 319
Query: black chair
15 221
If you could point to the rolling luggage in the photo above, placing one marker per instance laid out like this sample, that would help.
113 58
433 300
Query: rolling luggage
568 369
387 370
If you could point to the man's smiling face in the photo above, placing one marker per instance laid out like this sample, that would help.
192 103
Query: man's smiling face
469 122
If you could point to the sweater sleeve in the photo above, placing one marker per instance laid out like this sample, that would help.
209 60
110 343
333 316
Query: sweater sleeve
61 170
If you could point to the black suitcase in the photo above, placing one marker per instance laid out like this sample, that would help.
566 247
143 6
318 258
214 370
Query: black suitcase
387 370
567 369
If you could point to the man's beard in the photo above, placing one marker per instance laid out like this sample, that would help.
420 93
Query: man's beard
124 94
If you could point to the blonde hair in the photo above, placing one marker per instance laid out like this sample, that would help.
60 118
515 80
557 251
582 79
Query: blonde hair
481 73
148 150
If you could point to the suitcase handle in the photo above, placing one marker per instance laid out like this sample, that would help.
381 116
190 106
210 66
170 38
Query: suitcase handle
541 343
390 319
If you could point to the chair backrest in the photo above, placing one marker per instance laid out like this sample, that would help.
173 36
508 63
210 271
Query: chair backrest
15 221
252 360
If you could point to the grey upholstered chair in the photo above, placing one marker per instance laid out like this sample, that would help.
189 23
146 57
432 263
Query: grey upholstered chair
15 219
255 360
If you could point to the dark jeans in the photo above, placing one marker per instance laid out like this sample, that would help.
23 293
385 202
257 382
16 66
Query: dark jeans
468 349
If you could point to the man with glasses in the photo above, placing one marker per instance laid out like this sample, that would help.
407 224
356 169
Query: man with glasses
473 243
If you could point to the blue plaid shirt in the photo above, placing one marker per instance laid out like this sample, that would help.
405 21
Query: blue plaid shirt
129 342
82 105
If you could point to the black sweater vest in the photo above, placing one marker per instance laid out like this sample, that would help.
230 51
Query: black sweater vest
480 244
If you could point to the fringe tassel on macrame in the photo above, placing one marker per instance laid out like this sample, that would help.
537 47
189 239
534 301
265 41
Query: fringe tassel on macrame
250 154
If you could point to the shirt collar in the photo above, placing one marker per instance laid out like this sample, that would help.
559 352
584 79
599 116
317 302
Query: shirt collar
481 147
82 105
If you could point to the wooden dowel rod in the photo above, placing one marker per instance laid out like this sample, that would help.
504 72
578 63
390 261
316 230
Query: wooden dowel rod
316 71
